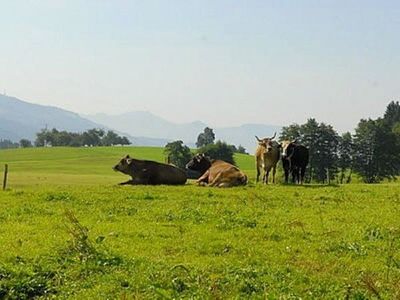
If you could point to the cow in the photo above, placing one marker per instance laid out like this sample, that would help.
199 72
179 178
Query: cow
267 157
216 173
150 172
295 159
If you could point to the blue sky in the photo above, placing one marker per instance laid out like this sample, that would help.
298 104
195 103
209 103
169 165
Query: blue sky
222 62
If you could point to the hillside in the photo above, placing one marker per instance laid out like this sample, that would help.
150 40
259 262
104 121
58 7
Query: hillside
20 119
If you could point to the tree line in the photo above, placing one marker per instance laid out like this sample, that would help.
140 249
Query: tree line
54 137
373 151
91 137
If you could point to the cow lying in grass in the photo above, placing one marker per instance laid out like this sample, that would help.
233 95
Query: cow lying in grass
216 172
149 172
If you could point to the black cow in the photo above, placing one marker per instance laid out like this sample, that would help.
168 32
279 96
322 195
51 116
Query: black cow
295 159
150 172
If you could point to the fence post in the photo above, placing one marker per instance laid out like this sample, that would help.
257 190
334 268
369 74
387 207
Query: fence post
5 176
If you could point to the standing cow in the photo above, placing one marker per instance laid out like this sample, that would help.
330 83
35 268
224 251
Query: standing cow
267 157
295 159
149 172
216 172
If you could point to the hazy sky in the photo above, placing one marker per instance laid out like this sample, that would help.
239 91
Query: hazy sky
222 62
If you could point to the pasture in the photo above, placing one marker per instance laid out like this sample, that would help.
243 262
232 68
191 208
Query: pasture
68 231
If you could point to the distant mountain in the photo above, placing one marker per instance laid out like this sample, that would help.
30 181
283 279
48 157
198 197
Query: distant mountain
142 123
20 119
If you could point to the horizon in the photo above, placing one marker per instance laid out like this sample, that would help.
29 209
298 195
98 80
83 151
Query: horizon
221 63
238 125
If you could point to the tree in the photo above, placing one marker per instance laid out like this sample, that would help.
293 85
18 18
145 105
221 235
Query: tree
111 138
241 149
377 154
44 138
291 133
392 114
219 150
205 138
345 156
178 153
92 137
7 144
25 143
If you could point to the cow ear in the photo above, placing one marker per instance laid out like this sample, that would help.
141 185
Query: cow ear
127 156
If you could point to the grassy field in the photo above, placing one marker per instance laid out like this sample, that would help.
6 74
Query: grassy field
68 231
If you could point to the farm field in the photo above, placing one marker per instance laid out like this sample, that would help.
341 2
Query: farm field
68 231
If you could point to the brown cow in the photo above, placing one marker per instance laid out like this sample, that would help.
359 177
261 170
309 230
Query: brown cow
216 172
267 157
149 172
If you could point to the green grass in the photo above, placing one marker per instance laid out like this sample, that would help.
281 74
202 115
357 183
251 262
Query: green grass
257 241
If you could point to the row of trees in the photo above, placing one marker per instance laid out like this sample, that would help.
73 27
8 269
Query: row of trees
92 137
7 144
373 151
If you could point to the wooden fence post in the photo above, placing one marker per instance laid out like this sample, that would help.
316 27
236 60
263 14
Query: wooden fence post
5 176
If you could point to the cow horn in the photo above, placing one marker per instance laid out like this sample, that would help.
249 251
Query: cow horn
273 136
258 139
294 141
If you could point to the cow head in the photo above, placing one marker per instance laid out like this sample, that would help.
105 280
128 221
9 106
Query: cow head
266 143
124 165
288 148
199 162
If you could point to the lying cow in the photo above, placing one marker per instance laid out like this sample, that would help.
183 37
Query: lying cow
295 159
149 172
216 172
267 157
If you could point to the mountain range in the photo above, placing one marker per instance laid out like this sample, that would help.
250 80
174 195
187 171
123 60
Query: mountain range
149 125
20 119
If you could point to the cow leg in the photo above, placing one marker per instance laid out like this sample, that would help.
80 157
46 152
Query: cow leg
293 176
266 177
303 172
217 180
297 174
130 181
203 178
286 175
273 174
258 172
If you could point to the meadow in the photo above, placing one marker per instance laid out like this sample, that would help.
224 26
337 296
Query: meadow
67 230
